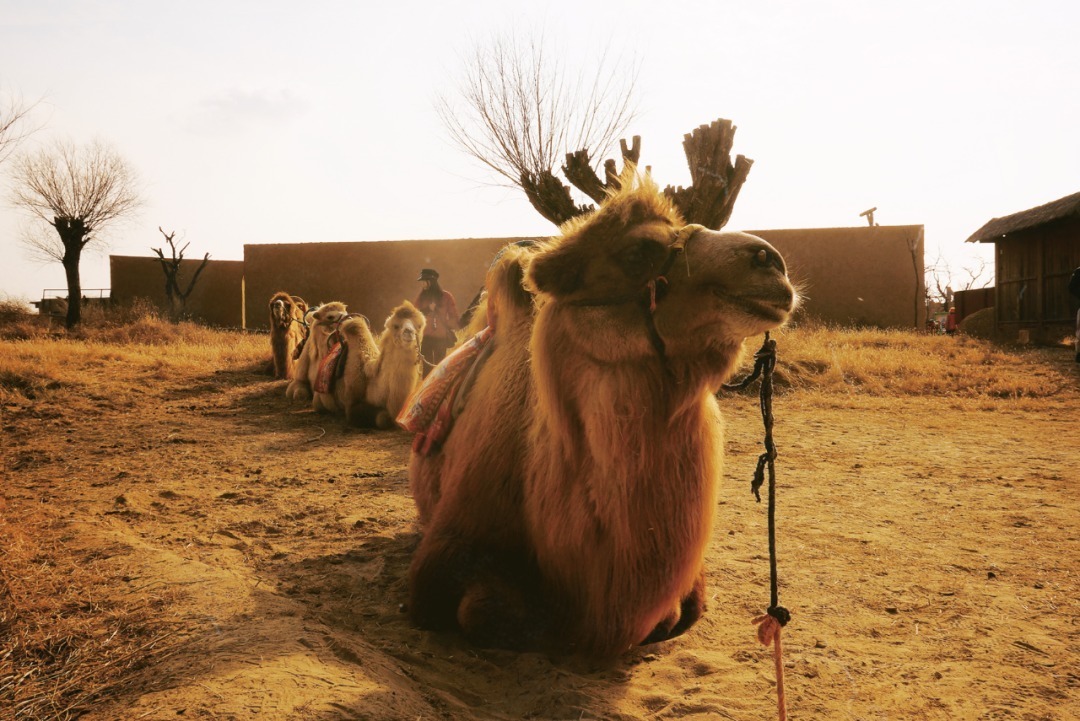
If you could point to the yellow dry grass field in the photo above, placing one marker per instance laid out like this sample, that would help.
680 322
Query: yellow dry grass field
179 542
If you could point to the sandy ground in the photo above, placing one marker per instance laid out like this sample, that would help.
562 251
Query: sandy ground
929 551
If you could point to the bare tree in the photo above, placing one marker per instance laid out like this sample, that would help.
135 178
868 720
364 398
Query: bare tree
942 282
14 125
79 191
171 267
521 113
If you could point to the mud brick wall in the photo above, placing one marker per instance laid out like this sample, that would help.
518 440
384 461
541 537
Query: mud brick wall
216 299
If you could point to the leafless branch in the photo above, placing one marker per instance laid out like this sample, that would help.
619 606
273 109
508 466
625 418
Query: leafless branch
92 184
518 109
15 124
79 191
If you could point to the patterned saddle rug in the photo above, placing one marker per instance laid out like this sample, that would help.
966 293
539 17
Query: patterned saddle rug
433 406
332 366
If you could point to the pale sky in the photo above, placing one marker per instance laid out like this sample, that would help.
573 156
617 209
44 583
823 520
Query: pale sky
269 121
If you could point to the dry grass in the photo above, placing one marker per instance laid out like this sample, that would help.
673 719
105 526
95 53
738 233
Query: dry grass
63 649
882 363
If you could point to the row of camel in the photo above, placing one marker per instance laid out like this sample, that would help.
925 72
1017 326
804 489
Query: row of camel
332 358
570 506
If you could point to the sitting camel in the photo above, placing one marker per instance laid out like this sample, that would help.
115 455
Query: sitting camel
347 393
571 505
322 322
286 332
395 372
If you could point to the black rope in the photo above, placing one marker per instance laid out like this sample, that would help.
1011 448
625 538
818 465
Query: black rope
764 363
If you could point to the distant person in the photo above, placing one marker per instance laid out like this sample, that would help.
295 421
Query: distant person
1074 290
441 313
950 322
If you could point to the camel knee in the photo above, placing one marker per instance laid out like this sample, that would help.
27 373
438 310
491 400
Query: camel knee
298 390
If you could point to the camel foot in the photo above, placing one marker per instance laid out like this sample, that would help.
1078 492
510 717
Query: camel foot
495 614
690 610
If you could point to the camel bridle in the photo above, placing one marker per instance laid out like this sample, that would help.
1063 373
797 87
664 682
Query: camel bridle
651 293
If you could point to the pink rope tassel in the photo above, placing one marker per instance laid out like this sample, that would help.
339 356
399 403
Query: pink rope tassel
768 632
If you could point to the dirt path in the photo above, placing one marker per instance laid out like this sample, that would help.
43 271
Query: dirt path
930 553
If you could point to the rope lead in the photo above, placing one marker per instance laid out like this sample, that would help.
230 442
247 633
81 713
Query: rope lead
776 616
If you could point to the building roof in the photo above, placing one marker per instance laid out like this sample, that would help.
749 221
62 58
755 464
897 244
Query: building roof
1025 219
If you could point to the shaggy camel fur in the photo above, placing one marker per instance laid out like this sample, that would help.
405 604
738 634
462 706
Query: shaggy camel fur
570 508
286 331
322 322
395 373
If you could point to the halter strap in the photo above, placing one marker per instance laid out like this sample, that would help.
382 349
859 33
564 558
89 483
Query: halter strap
647 295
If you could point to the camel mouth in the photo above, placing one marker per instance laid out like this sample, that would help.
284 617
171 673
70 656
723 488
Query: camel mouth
776 306
771 310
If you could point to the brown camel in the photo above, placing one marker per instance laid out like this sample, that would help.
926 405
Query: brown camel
570 507
286 331
397 369
322 322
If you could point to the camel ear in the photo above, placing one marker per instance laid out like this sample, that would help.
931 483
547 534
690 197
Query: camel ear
559 271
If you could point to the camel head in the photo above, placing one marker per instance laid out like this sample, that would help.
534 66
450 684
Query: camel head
285 308
329 314
633 282
405 326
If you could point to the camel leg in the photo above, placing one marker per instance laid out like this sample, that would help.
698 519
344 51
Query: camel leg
456 583
690 610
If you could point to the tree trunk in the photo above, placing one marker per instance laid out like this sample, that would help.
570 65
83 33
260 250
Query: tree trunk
74 288
716 181
550 197
72 233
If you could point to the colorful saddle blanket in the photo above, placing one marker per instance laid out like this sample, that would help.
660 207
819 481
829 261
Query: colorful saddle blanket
430 410
331 366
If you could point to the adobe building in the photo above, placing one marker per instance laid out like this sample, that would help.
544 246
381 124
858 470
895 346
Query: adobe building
368 277
860 276
216 299
865 276
1035 253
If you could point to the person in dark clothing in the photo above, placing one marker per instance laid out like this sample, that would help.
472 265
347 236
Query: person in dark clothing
441 313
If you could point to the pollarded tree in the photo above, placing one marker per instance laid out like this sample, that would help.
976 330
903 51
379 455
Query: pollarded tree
519 112
79 191
171 268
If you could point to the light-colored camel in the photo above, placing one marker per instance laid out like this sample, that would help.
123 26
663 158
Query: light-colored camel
286 331
571 505
322 321
347 396
396 371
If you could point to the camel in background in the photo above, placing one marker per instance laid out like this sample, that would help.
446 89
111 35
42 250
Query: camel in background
286 332
396 371
322 322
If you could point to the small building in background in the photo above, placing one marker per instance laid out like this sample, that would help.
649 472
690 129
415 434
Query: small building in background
1035 253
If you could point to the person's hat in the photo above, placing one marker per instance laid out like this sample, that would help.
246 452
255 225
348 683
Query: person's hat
429 274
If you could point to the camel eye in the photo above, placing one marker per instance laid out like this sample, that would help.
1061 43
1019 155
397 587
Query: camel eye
637 258
762 257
